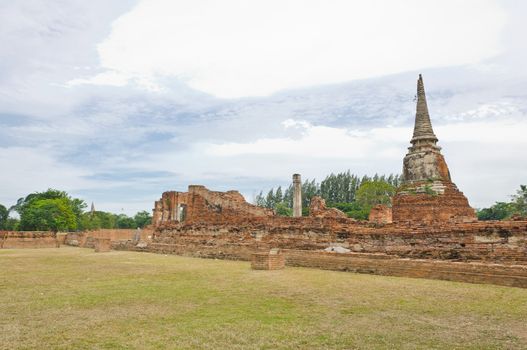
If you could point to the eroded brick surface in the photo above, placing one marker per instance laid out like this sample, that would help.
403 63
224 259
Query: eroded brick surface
30 239
504 242
380 214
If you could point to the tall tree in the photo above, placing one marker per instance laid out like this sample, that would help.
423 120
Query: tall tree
278 195
372 193
48 215
519 201
4 214
142 219
75 205
499 211
269 200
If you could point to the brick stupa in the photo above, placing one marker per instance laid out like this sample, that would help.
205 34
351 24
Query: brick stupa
427 193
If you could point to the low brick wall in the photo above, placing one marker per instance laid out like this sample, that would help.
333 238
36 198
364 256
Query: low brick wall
87 239
370 263
481 252
102 245
493 242
30 239
381 264
272 260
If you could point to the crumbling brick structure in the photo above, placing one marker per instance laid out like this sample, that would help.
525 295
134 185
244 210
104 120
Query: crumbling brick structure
318 209
30 239
269 260
201 205
428 193
102 245
380 214
434 232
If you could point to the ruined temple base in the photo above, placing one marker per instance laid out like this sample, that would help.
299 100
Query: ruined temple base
381 264
438 202
102 245
272 260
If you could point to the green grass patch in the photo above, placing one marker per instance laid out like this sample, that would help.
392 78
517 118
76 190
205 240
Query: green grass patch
73 298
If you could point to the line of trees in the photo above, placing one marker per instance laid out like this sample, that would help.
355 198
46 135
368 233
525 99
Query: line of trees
55 210
354 195
505 210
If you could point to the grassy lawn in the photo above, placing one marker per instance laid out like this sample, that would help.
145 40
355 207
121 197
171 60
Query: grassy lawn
73 298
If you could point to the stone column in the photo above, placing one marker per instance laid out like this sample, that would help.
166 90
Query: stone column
297 196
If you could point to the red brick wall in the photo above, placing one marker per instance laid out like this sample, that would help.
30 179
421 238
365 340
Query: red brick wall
504 242
267 261
86 239
380 214
30 239
451 206
514 276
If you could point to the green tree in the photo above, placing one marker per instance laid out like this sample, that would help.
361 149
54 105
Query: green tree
371 193
283 210
108 220
519 201
309 190
124 221
142 219
4 214
499 211
278 197
335 188
75 205
353 210
48 215
12 224
260 200
269 199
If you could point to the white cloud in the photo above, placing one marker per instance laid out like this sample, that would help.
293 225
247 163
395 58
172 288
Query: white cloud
34 169
316 141
237 48
110 123
479 154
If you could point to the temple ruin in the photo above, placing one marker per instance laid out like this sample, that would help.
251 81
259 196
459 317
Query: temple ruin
429 232
428 193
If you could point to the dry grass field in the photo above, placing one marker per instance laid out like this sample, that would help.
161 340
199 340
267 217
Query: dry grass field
73 298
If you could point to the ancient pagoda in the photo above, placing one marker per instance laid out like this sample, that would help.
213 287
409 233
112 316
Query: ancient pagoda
427 193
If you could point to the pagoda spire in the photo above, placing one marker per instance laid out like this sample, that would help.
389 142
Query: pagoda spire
423 127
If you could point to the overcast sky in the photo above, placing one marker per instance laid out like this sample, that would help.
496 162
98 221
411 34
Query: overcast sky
118 101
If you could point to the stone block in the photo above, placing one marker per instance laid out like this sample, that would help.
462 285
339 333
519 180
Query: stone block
271 260
102 245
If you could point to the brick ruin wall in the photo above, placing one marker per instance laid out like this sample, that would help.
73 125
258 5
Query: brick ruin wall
449 206
199 205
88 239
380 214
220 226
217 228
381 264
30 239
483 252
267 261
492 242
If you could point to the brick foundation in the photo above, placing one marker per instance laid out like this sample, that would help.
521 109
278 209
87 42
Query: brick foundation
102 245
271 260
506 275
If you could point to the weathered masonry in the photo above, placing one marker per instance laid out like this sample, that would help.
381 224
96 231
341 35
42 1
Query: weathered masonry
428 193
430 230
